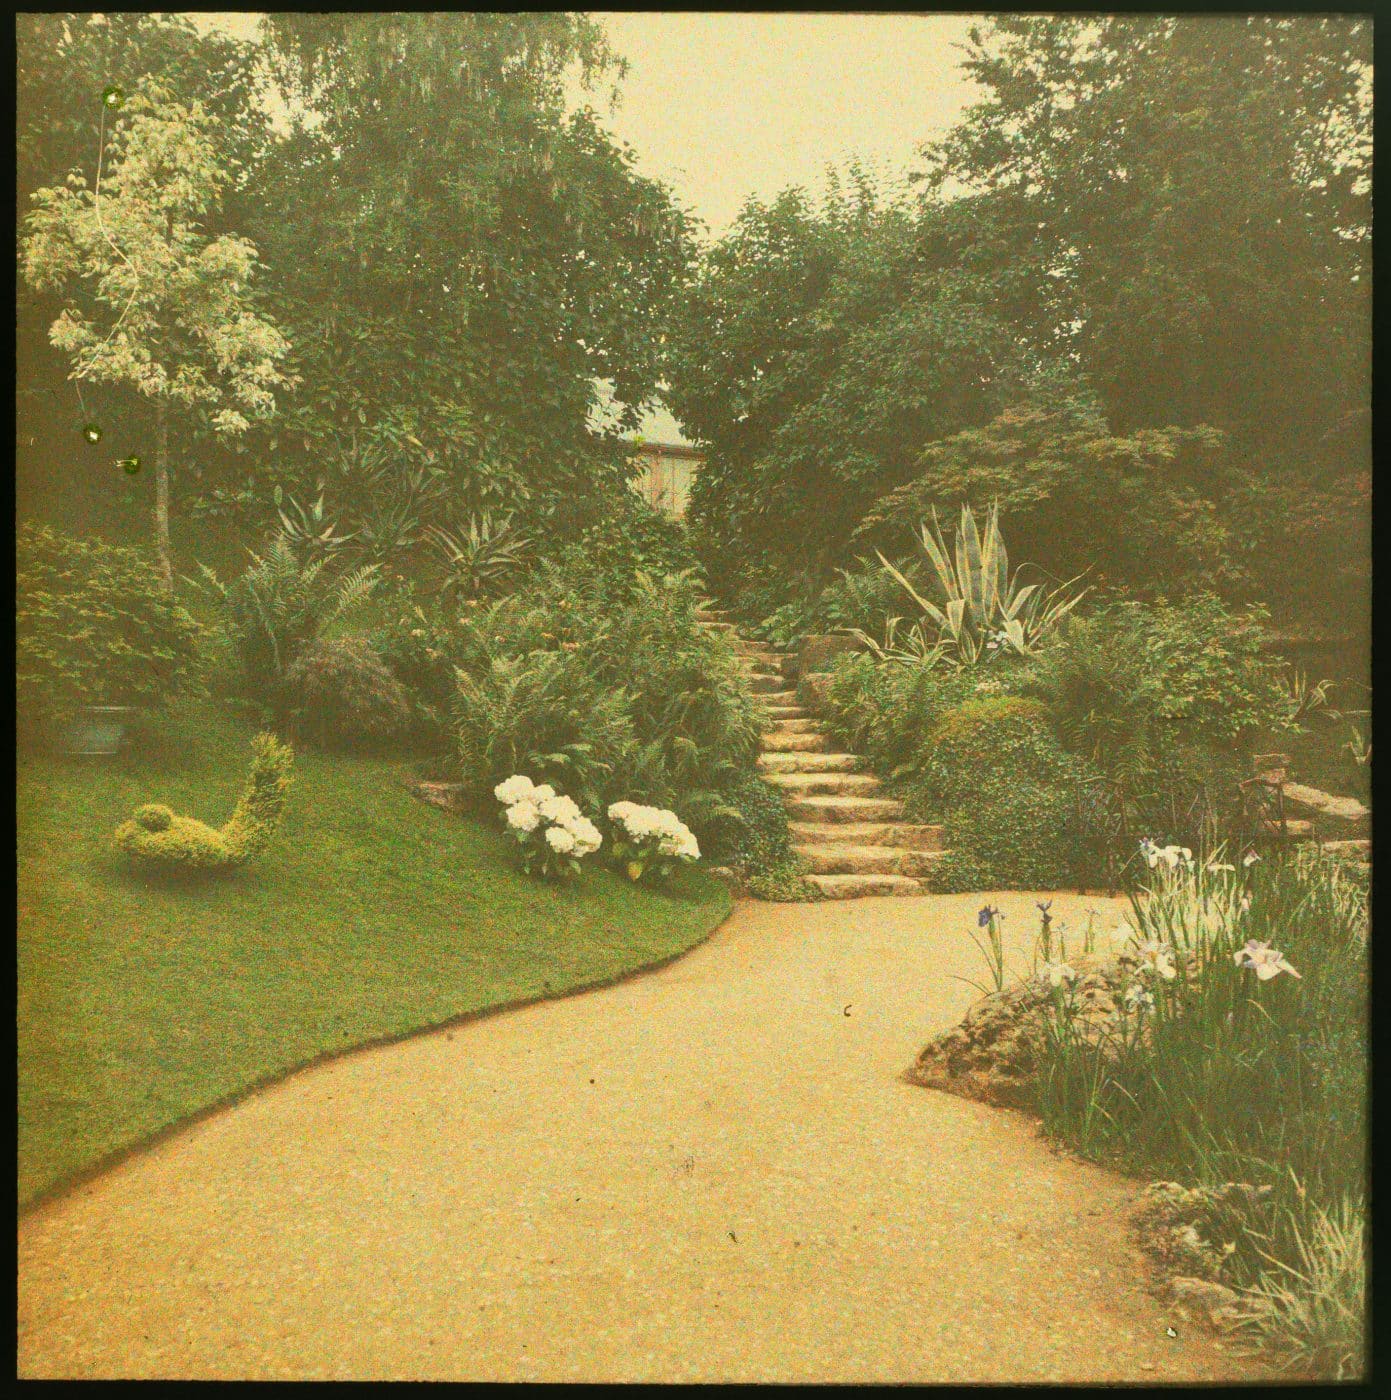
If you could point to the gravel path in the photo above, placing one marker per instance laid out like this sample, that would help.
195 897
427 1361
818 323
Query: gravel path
708 1173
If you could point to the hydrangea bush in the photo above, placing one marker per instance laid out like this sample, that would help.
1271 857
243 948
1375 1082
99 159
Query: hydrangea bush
551 831
649 841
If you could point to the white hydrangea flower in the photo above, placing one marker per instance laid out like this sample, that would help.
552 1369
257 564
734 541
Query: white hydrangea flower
523 816
620 811
557 809
559 839
585 835
514 789
539 794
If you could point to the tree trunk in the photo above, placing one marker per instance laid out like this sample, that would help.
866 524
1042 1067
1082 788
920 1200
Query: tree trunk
166 567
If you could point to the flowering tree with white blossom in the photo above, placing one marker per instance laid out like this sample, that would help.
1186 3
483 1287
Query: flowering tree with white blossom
152 301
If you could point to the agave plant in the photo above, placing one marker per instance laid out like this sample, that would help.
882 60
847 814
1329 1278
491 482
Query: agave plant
479 557
980 609
305 528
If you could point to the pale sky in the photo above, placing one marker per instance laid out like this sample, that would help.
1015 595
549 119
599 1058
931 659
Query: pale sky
719 105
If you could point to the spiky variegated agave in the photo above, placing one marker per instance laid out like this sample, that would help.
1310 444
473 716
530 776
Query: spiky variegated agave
979 607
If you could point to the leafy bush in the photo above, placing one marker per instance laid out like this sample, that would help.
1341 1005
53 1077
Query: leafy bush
278 606
418 643
887 712
1102 695
157 839
545 715
94 626
1161 508
637 538
753 838
994 773
697 725
338 695
1167 701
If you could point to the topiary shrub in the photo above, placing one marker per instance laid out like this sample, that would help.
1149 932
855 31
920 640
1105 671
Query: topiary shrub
159 840
339 695
1007 794
975 741
94 625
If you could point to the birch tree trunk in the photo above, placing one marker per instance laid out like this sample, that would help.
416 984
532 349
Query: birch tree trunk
166 566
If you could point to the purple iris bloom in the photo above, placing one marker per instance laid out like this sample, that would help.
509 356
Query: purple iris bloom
983 918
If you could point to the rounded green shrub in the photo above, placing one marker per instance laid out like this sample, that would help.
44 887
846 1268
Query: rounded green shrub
94 625
1007 794
159 840
339 695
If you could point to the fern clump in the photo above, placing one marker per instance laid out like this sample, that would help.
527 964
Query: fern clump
157 838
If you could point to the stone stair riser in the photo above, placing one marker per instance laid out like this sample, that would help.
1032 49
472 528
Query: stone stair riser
827 784
834 810
809 762
795 743
906 835
862 886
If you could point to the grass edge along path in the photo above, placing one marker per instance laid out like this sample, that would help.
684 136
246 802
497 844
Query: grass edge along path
144 1007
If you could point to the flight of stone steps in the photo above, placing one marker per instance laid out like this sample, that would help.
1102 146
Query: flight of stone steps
854 838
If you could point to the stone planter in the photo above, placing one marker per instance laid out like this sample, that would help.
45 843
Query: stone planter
95 731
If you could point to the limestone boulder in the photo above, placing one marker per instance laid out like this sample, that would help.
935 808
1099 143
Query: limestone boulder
996 1051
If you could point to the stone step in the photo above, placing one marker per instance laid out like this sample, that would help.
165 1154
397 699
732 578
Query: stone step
717 625
907 835
774 689
860 886
776 712
827 784
1325 804
777 742
843 809
799 724
760 666
808 761
1360 846
843 858
1296 828
745 647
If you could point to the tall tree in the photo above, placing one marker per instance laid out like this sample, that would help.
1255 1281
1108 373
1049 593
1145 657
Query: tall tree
468 256
1199 189
820 348
64 63
152 302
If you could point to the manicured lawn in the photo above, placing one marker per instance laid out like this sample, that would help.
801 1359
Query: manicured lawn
372 915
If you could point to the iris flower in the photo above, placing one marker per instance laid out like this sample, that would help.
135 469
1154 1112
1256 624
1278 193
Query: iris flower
1266 961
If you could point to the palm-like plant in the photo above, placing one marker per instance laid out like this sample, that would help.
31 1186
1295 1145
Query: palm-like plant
979 608
480 557
279 604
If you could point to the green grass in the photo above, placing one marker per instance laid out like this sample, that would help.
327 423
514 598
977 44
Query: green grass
372 915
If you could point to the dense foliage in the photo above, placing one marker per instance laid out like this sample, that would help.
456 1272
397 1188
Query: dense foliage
1131 305
94 626
339 695
463 259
